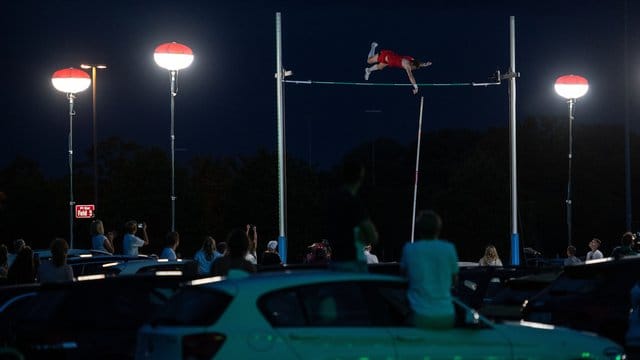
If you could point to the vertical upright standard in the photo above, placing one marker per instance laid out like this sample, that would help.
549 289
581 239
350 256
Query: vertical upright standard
515 239
627 128
173 57
282 238
70 81
415 184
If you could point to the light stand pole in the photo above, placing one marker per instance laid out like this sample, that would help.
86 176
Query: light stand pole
571 103
173 57
95 130
70 81
571 87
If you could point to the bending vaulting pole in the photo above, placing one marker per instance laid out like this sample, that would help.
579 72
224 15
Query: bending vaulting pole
282 239
415 184
515 239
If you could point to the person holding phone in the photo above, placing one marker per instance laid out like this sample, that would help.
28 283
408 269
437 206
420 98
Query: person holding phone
130 242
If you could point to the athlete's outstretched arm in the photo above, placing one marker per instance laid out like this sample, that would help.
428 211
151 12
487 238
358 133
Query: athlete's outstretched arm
412 79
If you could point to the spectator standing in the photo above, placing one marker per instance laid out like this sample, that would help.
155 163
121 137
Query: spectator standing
594 244
271 256
23 269
431 265
350 227
252 235
18 244
625 248
235 258
171 244
371 258
56 269
130 242
98 240
4 261
206 255
490 257
571 257
222 248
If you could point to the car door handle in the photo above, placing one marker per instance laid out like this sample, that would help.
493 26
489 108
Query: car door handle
294 336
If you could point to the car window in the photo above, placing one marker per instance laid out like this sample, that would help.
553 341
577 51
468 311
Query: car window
326 304
193 306
335 304
388 301
283 308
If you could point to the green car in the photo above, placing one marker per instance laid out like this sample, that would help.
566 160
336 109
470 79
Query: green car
338 315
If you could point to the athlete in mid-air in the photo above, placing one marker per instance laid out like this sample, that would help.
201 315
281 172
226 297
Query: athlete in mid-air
388 58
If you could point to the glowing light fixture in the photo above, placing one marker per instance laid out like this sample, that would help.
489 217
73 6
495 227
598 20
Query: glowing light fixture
173 57
70 81
571 86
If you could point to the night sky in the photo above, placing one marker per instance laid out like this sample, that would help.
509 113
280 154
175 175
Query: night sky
226 104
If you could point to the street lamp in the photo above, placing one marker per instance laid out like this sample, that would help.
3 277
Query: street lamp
173 57
70 81
570 87
95 132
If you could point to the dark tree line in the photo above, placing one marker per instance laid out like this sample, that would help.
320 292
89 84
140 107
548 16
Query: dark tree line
464 175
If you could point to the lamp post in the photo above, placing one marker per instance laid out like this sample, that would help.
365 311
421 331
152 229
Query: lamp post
173 57
70 81
95 132
570 87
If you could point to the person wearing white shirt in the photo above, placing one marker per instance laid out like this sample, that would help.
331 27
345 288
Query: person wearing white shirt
594 253
171 244
371 258
130 242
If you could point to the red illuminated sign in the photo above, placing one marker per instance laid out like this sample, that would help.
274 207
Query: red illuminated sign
85 211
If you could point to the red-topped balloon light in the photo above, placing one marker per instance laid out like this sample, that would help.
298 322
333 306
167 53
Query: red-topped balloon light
173 56
571 86
70 80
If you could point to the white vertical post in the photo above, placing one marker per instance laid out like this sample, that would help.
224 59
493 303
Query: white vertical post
415 184
282 239
515 240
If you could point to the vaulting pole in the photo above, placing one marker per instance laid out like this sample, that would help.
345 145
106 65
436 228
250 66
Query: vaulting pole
415 183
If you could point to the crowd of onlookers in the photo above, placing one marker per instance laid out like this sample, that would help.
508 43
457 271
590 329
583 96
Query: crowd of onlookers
22 266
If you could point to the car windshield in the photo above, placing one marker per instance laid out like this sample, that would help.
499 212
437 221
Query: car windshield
568 285
193 306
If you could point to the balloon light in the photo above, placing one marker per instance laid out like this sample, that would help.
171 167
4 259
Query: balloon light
70 80
571 86
173 56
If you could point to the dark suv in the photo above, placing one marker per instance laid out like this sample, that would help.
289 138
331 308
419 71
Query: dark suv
84 319
592 297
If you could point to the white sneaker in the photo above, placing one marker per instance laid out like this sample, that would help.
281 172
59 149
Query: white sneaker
367 72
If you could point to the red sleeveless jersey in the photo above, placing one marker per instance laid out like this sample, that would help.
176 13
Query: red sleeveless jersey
392 59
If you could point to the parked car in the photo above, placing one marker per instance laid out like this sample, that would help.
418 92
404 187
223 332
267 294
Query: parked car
505 302
83 319
336 315
592 297
180 267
